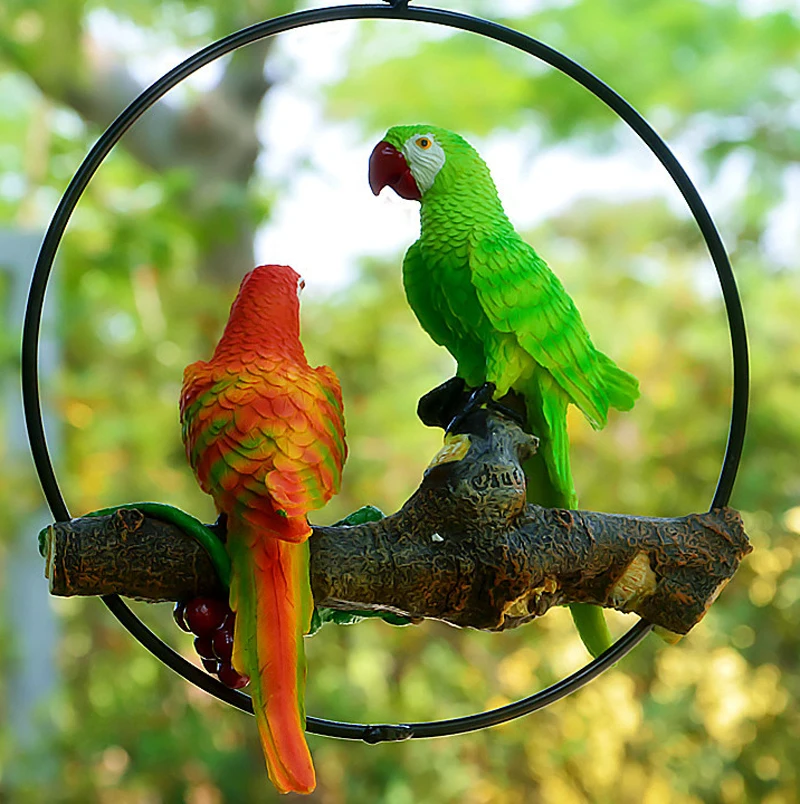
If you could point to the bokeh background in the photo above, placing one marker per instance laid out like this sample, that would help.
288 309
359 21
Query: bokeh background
262 158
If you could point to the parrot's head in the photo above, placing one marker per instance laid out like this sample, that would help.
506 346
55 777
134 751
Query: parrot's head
279 282
413 160
265 315
271 292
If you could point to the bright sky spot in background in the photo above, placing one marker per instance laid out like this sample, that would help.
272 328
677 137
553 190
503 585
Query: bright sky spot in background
325 217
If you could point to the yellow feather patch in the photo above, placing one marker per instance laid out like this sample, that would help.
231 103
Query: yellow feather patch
454 449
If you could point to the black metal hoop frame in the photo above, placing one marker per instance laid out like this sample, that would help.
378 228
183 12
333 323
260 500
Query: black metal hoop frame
397 11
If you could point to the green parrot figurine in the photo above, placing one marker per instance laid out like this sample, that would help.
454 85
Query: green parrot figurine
483 293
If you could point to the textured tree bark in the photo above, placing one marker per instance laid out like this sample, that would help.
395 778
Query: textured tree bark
466 548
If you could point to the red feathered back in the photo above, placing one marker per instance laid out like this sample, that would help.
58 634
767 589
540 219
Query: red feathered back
264 432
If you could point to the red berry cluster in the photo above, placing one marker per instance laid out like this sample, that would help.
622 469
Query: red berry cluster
211 621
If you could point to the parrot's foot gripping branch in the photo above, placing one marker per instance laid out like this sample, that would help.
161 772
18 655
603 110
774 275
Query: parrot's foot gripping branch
467 529
481 396
449 404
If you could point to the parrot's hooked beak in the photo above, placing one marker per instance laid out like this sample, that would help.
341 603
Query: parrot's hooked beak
388 166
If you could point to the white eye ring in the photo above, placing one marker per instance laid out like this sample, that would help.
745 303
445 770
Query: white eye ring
424 162
301 284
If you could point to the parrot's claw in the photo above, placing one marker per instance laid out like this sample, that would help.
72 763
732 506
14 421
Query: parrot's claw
437 407
481 396
448 404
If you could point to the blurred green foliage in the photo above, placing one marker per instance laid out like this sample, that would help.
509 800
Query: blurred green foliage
713 719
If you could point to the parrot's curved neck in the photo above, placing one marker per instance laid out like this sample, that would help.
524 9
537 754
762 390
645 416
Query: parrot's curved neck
453 211
261 324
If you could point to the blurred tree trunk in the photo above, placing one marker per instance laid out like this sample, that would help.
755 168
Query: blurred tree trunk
34 675
214 136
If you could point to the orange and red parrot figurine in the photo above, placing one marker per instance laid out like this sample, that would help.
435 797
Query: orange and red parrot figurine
264 433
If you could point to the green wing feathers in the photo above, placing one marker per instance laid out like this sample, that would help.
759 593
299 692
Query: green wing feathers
622 388
271 595
522 296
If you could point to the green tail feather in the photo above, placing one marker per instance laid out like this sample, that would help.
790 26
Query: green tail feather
548 471
550 484
592 627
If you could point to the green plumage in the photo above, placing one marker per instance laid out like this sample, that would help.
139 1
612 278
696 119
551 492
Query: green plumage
482 292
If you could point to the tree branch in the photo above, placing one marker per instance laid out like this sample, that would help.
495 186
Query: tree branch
466 548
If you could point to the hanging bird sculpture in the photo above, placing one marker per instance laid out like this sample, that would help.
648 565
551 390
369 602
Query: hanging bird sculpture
264 433
482 292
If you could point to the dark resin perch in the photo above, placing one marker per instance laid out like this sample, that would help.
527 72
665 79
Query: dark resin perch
466 548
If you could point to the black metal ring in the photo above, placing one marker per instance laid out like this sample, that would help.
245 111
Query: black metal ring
101 149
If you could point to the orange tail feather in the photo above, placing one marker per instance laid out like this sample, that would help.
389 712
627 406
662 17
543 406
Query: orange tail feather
271 594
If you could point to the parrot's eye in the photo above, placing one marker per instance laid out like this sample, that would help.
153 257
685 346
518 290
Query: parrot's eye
425 158
301 284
